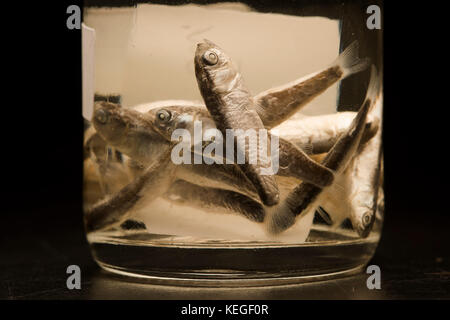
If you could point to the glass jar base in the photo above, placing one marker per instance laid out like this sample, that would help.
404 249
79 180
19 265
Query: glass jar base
185 279
170 260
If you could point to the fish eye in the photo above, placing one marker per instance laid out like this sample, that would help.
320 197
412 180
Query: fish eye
163 115
210 58
366 219
101 116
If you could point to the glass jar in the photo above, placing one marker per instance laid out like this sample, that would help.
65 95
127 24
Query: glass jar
156 209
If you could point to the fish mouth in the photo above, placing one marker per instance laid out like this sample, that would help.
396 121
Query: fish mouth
199 52
101 116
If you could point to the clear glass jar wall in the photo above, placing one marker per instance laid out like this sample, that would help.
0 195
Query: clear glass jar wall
166 202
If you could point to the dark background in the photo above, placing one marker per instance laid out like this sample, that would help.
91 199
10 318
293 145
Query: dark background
42 230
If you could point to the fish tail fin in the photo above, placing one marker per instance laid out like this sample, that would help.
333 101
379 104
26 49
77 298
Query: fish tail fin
367 105
336 201
349 62
296 205
279 218
373 88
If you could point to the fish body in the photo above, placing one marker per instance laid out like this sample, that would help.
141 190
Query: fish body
224 201
231 106
312 134
219 176
293 161
212 199
364 193
318 134
361 182
280 103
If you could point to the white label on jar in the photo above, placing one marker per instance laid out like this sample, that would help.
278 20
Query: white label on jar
88 70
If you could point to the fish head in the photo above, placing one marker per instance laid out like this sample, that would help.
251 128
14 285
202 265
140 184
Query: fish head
366 220
214 70
108 121
130 131
167 119
170 118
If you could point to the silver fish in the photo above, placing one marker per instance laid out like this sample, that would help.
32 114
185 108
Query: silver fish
305 197
318 134
232 107
277 104
357 191
312 134
293 162
366 182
